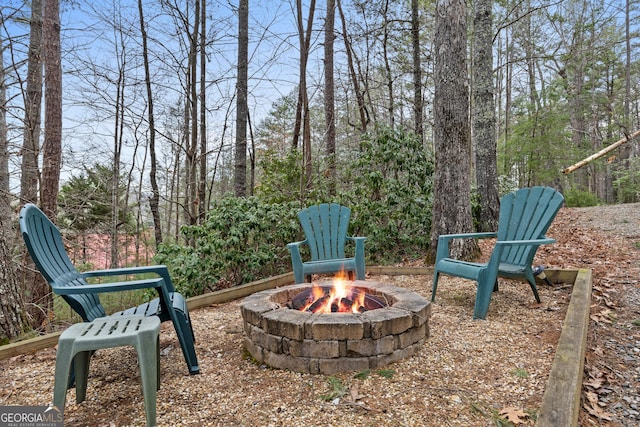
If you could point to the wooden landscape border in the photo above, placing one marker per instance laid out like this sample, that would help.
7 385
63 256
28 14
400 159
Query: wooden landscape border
561 401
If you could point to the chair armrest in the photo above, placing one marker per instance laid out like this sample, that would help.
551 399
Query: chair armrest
294 249
109 287
356 239
443 241
160 270
359 251
467 236
532 242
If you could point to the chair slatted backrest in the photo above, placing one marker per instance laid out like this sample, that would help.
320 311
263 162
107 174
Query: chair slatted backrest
325 228
46 247
526 215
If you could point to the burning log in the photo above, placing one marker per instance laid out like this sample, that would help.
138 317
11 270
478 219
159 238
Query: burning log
325 299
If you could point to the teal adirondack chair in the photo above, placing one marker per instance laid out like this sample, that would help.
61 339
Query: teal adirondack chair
44 242
525 217
325 229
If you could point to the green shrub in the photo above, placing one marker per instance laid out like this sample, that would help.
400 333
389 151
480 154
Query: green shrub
241 240
578 198
390 188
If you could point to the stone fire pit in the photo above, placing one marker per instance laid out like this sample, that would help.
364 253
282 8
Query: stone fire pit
328 343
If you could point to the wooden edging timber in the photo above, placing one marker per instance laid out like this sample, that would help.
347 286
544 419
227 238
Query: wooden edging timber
561 400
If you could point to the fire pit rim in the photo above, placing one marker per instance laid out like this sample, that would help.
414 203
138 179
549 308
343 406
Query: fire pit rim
290 339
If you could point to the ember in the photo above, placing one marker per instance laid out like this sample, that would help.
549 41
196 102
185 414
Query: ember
339 298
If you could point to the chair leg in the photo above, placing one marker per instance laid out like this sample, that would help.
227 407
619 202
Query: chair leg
64 361
534 288
149 373
486 284
185 336
434 286
81 365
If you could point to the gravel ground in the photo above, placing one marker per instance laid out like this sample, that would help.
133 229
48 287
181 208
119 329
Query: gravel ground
607 240
468 373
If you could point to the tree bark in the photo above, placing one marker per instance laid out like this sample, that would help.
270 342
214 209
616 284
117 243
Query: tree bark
241 106
452 194
154 200
33 105
12 313
30 171
329 95
362 109
387 66
484 118
417 70
40 295
202 184
11 306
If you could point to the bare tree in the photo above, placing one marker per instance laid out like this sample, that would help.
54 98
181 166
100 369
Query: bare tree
202 184
191 203
52 148
30 171
452 140
154 200
329 94
241 109
11 305
387 63
302 107
31 139
484 117
417 69
362 109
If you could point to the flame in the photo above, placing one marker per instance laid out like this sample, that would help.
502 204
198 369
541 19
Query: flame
341 298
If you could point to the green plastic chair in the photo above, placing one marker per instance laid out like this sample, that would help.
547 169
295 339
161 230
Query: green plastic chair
525 217
325 229
44 242
78 342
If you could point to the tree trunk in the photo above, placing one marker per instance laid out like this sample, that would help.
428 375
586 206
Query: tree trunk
11 306
329 95
30 171
484 118
302 126
52 150
12 314
452 194
362 109
417 70
387 66
154 200
202 185
118 132
33 106
240 186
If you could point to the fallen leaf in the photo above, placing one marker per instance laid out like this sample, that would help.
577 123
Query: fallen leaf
514 415
597 412
354 393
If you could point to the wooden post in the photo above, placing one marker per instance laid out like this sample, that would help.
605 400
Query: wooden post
601 152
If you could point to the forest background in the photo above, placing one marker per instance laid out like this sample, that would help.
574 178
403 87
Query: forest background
190 132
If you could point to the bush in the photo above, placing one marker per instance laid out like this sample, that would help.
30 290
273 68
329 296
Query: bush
241 240
390 191
579 199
